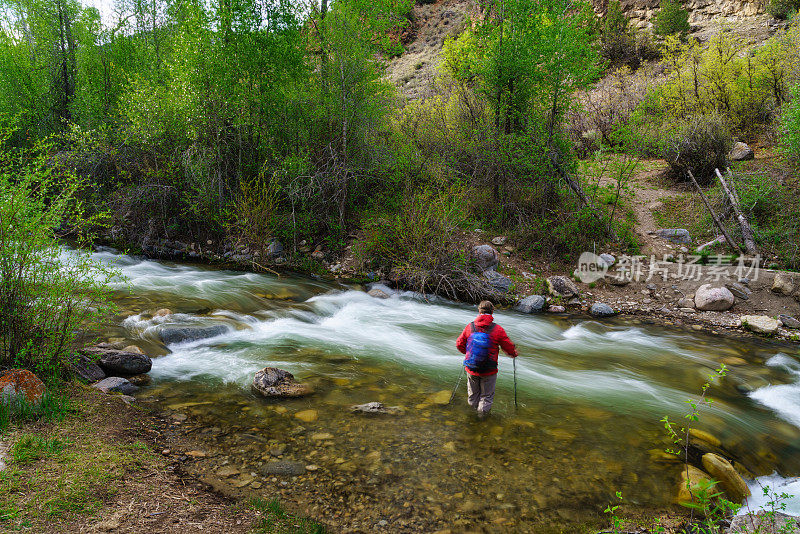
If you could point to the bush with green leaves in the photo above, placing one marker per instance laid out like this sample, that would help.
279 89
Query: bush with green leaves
621 44
672 18
783 9
47 294
698 145
790 128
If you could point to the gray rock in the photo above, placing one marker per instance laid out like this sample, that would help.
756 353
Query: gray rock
783 283
676 235
377 293
284 468
764 522
274 382
739 291
608 259
556 309
686 302
275 248
115 384
789 321
184 334
601 309
760 324
741 152
485 256
119 362
498 281
531 304
499 240
561 286
84 367
376 408
708 298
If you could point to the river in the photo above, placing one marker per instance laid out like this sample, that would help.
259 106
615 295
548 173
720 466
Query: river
590 396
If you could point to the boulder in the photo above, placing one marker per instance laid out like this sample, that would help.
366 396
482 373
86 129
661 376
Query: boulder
690 478
739 291
376 408
708 298
115 384
601 309
556 309
485 257
184 334
20 384
760 324
275 248
676 235
85 368
377 293
764 522
789 321
119 362
531 304
608 259
729 480
274 382
561 286
783 283
498 281
741 152
133 348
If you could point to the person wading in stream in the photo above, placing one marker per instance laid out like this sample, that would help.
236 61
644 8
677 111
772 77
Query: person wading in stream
481 341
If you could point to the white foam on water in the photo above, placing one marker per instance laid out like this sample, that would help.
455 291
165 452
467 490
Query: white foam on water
772 499
784 399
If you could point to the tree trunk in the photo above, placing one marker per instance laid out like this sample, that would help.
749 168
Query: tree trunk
730 241
747 230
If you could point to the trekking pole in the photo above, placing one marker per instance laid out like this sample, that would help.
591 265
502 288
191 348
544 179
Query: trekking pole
460 376
515 382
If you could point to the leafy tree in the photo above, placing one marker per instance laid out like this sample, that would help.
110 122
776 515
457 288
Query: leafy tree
672 18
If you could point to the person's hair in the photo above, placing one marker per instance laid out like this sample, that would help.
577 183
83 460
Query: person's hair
486 307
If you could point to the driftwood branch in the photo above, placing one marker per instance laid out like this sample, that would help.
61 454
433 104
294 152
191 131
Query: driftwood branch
730 241
718 239
576 188
747 230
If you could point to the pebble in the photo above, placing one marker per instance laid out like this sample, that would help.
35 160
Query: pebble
307 416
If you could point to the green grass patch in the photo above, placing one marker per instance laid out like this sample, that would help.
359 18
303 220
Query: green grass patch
275 520
54 406
31 447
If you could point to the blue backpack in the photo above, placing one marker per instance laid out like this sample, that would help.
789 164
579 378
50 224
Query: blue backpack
478 346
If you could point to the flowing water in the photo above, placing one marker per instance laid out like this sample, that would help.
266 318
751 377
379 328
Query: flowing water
590 398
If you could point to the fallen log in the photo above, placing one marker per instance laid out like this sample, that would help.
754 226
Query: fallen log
718 239
747 230
724 232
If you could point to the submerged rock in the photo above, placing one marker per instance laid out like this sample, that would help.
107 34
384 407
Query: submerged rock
376 408
274 382
183 334
20 384
531 304
284 468
690 478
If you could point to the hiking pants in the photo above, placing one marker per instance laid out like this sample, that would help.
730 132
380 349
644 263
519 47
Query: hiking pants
481 392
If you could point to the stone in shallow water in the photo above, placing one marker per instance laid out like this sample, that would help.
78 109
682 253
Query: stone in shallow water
307 416
284 468
730 481
442 397
190 333
377 408
274 382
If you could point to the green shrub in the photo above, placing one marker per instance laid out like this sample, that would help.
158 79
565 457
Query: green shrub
672 18
699 144
783 9
46 294
618 38
790 128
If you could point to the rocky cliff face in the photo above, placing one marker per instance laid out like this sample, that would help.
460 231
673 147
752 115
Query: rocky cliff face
641 12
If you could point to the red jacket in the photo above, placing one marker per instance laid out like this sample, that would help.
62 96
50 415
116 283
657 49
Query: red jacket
499 340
